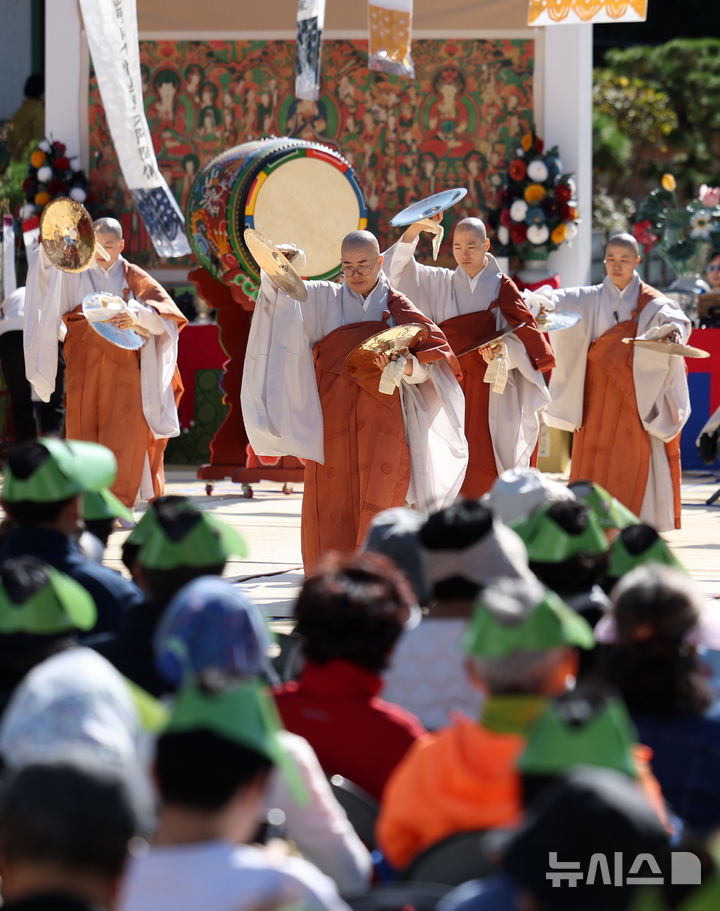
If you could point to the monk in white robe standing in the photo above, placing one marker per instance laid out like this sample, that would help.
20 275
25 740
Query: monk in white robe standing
625 404
503 384
126 400
366 449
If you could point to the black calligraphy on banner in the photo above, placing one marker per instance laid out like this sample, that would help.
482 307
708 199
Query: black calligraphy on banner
112 38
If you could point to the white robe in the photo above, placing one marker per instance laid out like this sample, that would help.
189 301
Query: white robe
441 294
661 389
281 404
51 293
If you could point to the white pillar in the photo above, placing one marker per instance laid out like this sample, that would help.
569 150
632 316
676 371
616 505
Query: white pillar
66 78
565 120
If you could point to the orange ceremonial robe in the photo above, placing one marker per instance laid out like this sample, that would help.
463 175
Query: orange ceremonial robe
367 461
104 397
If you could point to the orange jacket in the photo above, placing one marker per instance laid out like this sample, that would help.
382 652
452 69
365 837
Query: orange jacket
464 778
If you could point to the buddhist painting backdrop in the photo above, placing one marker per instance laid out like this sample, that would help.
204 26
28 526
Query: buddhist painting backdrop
452 126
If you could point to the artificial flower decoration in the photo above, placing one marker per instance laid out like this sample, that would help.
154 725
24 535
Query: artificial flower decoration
51 174
709 196
538 171
518 210
537 211
683 235
534 193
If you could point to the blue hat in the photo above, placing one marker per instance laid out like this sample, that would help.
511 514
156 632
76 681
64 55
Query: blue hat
212 627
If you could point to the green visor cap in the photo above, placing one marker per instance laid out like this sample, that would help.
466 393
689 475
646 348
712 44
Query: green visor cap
35 598
103 504
516 615
153 714
206 541
609 512
548 542
149 519
578 729
638 546
244 713
72 468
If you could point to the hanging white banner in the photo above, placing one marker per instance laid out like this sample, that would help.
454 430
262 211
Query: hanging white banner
112 35
310 23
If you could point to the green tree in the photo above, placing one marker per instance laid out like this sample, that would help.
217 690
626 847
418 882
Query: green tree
632 121
676 89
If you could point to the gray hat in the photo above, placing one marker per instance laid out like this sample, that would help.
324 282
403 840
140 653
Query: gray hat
393 533
518 492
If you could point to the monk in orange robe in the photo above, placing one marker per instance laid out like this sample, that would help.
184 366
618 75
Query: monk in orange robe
470 304
124 399
366 450
625 404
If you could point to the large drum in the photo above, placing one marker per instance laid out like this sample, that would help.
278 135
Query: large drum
290 190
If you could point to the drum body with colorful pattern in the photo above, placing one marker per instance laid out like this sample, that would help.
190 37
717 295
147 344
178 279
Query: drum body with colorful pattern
290 190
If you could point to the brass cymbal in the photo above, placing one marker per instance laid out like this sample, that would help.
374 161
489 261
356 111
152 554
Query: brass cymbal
551 320
665 347
275 264
395 340
66 231
429 206
99 307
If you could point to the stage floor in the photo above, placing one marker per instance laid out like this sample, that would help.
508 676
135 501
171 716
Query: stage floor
270 521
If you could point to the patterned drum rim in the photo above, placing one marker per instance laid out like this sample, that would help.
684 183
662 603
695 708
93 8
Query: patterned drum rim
240 174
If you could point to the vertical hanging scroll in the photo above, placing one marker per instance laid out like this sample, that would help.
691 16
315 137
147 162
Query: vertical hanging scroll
310 22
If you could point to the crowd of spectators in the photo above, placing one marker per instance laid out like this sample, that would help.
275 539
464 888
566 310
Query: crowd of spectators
519 682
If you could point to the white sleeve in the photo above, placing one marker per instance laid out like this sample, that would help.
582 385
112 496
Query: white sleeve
41 325
320 829
397 258
419 372
147 317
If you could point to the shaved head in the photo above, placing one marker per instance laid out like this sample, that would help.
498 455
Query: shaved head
624 240
474 226
361 261
108 226
361 239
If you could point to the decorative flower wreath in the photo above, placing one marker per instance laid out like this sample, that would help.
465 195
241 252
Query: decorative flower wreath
537 211
51 175
684 236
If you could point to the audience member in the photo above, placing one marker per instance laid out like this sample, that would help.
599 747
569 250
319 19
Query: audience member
42 494
573 836
610 512
567 550
65 831
587 726
101 511
518 492
41 613
521 649
350 613
177 543
76 705
462 549
657 621
212 630
212 766
637 545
